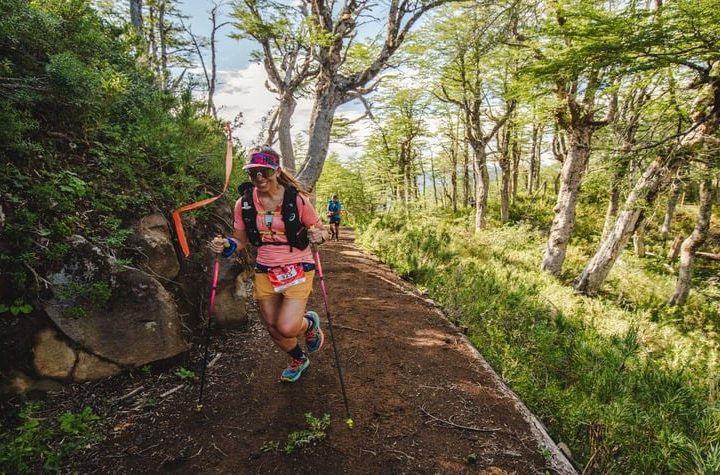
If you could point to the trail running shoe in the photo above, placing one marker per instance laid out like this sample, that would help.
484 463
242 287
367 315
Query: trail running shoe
314 338
293 372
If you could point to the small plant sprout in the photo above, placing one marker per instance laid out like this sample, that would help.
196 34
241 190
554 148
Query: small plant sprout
306 438
185 374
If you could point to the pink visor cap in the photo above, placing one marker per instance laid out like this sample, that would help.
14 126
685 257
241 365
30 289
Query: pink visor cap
263 159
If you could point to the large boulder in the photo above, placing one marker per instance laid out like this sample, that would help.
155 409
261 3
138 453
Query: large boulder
90 367
123 318
231 298
154 237
52 357
140 326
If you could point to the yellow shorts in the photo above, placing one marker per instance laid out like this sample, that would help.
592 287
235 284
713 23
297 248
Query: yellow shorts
264 289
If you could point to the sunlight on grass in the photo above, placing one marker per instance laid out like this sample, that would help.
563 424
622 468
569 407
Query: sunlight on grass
620 377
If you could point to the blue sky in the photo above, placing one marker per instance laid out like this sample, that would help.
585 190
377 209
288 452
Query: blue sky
233 54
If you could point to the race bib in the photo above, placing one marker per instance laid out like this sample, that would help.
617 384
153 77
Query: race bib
283 277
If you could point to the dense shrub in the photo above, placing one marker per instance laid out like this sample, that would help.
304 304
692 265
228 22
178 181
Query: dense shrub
89 142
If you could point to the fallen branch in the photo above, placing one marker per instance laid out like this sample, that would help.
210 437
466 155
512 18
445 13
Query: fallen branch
175 389
345 327
214 360
219 449
395 451
476 429
131 393
708 255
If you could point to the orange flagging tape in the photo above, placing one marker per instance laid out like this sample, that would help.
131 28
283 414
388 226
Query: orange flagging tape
176 212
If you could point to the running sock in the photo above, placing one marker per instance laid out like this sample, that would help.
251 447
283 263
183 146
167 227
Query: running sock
311 324
297 353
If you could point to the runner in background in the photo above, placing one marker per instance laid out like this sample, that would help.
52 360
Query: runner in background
334 213
275 214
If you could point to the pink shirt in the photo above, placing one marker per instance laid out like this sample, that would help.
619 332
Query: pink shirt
274 255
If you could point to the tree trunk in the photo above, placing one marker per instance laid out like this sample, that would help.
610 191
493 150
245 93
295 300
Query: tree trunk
693 243
286 109
482 184
453 190
152 44
213 64
466 176
162 29
505 192
136 16
675 190
327 99
432 177
534 166
674 250
454 151
515 164
596 270
574 166
639 239
504 144
613 204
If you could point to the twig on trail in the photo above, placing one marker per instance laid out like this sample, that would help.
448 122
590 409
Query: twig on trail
219 449
368 451
345 327
476 429
198 453
400 452
430 387
214 360
147 448
167 393
131 393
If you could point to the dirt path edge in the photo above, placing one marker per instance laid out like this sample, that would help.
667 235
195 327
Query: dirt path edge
558 460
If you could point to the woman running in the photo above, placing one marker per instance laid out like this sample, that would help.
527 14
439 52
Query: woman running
275 214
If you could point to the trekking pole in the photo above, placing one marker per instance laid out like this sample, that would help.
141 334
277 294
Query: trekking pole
316 256
211 308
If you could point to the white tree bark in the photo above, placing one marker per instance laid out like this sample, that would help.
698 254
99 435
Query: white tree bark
692 243
646 188
564 221
285 113
675 189
482 185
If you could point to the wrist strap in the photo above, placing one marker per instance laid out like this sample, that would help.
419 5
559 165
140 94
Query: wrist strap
229 251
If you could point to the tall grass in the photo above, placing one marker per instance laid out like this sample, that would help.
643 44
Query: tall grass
628 391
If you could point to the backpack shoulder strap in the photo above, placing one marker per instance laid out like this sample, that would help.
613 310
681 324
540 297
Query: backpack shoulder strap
295 230
249 217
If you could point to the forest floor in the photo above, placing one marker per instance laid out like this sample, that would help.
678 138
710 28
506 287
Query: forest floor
422 400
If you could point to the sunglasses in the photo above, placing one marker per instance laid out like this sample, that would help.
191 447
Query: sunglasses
255 172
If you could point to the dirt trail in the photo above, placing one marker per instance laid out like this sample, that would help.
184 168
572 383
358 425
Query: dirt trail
422 400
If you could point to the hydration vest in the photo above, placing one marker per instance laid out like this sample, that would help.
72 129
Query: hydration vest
295 230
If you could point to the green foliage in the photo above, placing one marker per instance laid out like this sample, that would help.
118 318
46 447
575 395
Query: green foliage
302 439
36 443
305 438
89 141
185 374
19 306
632 394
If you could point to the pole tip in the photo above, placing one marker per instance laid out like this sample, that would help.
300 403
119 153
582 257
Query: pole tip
349 422
199 408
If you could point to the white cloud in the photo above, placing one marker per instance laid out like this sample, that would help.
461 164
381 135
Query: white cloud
243 90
